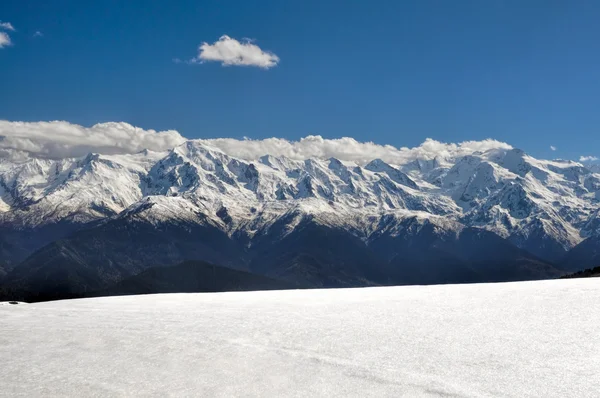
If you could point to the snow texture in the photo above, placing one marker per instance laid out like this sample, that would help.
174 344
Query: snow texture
529 339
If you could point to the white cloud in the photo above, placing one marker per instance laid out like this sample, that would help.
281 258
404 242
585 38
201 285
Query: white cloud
7 26
38 34
588 158
59 139
229 51
552 147
4 37
348 149
4 40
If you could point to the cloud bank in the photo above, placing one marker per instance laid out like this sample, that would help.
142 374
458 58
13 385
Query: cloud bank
59 139
585 159
348 149
229 51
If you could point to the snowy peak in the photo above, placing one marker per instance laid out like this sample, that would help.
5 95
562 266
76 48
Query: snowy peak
379 166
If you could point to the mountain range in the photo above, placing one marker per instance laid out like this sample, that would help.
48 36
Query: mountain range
85 224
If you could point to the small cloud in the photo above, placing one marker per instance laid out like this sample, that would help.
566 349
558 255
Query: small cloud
552 147
177 60
586 159
7 26
4 37
229 52
4 40
38 34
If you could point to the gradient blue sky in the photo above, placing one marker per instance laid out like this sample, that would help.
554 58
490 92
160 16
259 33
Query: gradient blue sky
394 72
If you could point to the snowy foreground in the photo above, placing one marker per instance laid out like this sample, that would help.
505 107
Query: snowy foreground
531 339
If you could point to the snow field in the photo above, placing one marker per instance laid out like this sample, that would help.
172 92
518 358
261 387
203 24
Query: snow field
527 339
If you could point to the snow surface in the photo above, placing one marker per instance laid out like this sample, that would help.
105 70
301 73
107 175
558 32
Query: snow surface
528 339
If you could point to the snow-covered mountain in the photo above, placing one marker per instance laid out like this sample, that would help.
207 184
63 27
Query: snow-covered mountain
504 191
543 207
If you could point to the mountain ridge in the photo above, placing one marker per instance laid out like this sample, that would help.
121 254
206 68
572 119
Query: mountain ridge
545 208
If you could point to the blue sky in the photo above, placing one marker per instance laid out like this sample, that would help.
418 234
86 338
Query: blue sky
394 72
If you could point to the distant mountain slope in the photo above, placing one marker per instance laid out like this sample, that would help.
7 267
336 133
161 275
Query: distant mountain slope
587 273
583 256
425 253
405 250
191 277
96 258
410 250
